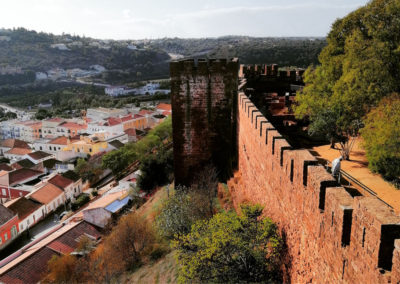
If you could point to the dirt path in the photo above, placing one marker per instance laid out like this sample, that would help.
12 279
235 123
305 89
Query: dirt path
358 168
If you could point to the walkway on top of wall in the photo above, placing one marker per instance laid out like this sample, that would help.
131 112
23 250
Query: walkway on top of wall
358 168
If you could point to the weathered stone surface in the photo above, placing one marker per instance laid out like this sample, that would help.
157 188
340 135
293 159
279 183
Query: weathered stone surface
331 237
204 105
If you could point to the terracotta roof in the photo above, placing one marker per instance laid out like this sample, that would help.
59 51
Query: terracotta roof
138 116
166 113
46 194
33 263
130 131
145 111
14 143
31 269
113 121
39 155
21 175
62 140
18 151
164 106
60 181
5 215
73 125
24 207
68 242
126 118
5 167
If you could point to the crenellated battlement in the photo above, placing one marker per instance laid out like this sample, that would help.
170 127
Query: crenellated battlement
332 236
270 71
202 67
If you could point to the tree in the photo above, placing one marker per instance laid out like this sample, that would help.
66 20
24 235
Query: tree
382 137
156 169
206 186
231 248
42 114
125 248
62 269
178 213
359 66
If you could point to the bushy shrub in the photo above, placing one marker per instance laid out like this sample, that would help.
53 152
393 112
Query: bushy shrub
382 138
231 248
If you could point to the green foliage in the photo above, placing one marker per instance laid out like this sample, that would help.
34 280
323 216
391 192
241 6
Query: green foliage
80 201
179 212
156 169
43 114
382 138
31 51
231 248
359 66
118 160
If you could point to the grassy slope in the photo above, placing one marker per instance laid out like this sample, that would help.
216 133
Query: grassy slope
163 270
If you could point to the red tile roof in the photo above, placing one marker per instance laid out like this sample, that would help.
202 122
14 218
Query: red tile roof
166 113
39 155
113 121
22 175
164 106
14 143
62 140
73 125
138 116
5 215
126 118
24 207
31 269
130 131
145 111
5 167
46 194
18 151
69 241
60 181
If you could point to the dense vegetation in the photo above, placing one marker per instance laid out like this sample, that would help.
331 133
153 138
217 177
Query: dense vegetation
359 66
231 248
151 151
32 51
382 138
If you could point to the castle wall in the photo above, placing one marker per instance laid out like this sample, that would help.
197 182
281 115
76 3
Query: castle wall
204 104
331 236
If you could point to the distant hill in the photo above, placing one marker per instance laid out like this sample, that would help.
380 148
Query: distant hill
300 52
23 52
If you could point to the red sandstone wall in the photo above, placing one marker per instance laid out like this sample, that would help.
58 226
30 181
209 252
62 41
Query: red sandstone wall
331 236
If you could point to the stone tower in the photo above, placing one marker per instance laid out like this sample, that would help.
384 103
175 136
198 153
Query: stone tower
204 106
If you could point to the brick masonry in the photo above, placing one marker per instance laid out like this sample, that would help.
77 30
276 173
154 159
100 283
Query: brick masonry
331 236
204 104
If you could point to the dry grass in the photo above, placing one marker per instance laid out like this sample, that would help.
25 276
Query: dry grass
162 271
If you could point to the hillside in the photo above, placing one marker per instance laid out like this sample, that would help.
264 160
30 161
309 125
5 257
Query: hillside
300 52
23 52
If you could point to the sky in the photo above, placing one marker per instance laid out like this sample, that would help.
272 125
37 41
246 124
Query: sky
139 19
